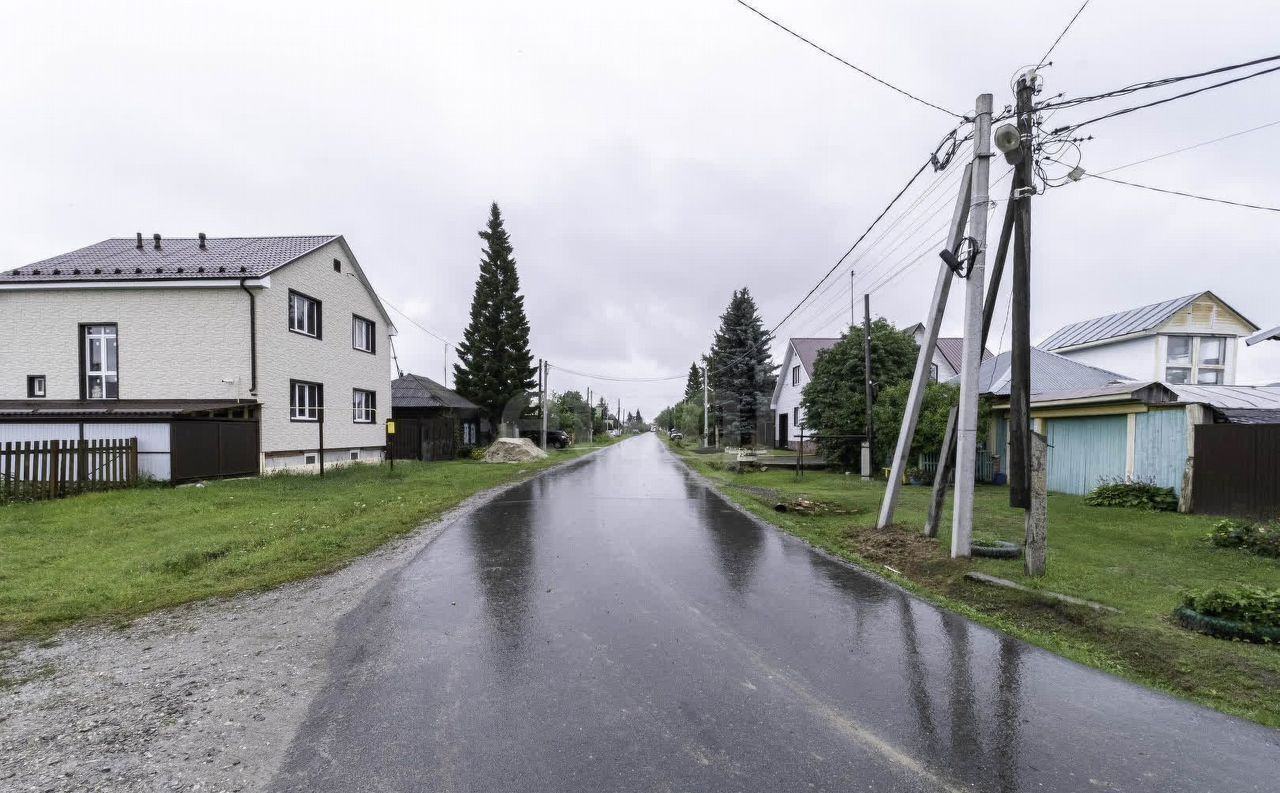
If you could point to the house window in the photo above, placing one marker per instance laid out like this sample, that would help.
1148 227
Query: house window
933 372
337 265
304 314
1195 359
795 375
362 331
306 401
355 454
101 362
363 405
795 417
35 386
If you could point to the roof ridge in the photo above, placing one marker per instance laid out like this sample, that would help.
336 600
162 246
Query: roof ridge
1133 308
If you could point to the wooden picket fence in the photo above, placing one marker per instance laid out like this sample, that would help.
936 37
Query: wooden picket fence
35 470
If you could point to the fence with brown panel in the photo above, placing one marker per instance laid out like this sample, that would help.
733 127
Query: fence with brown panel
1237 470
34 470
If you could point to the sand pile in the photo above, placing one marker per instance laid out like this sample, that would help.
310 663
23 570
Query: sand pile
513 450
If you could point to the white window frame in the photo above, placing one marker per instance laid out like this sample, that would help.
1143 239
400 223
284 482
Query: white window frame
37 386
364 406
306 400
363 330
1194 367
302 321
100 334
795 375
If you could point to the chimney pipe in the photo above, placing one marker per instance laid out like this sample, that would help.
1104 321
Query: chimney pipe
202 241
139 240
156 237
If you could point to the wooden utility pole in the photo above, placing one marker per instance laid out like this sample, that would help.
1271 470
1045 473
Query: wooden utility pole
1037 522
1020 355
866 383
940 476
915 398
591 418
706 440
971 360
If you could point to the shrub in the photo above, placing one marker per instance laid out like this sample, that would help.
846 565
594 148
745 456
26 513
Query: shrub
1132 493
1253 605
477 453
1262 539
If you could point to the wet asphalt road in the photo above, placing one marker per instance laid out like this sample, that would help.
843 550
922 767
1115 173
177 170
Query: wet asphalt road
616 626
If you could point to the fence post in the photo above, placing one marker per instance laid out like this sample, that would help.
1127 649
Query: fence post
133 461
55 462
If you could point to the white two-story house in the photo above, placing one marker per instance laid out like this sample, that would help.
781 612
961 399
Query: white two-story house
1190 340
222 356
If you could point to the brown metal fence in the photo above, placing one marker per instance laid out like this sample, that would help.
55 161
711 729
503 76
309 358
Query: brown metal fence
1237 470
34 470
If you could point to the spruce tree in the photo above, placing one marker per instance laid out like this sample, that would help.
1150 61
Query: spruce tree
495 368
693 386
741 371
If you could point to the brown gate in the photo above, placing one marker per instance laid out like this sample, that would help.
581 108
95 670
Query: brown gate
211 449
429 438
1237 470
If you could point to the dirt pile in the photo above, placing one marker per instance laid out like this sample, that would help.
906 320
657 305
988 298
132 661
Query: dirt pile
513 450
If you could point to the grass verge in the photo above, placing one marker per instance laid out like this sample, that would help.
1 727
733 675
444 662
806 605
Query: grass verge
116 555
1138 562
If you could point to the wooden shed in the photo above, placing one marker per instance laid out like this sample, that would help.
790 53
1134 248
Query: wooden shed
432 421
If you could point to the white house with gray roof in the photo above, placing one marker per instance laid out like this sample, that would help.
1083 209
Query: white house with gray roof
1191 339
223 356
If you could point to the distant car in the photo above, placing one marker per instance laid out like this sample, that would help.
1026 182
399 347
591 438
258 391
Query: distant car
676 435
557 439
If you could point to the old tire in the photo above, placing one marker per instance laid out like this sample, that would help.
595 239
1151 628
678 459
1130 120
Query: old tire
1224 628
1001 550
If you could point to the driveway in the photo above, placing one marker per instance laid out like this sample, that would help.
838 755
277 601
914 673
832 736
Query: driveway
617 626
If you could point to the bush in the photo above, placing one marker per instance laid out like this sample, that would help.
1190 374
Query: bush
477 453
1262 539
1252 605
1131 493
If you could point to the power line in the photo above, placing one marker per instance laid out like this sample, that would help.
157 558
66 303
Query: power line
418 325
1186 195
1049 51
1156 83
1189 148
859 70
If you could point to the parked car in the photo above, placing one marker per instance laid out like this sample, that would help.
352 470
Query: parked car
676 435
556 439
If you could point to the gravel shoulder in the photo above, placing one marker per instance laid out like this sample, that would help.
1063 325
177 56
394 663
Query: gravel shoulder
203 697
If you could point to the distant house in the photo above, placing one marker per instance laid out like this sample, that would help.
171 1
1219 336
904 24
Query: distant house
797 370
1188 340
222 356
432 421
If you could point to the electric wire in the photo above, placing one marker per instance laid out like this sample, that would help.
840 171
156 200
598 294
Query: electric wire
1056 41
857 69
1184 194
1188 148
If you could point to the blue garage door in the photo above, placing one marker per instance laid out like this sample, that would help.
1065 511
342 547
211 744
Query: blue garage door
1084 450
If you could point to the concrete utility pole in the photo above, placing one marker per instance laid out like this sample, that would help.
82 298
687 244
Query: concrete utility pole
1037 520
542 400
866 382
591 418
971 360
920 381
705 402
1020 355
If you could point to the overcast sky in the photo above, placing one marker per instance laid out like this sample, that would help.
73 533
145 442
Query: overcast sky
649 157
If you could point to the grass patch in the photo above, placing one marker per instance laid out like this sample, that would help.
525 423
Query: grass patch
1139 562
112 556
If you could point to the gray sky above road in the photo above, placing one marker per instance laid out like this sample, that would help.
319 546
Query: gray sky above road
649 157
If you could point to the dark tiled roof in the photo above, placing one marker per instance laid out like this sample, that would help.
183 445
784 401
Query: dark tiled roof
952 349
416 391
181 257
1249 415
807 350
65 408
1135 320
1049 372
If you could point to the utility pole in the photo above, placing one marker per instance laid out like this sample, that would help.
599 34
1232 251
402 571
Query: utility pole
1020 355
444 365
591 418
705 402
866 383
971 360
544 371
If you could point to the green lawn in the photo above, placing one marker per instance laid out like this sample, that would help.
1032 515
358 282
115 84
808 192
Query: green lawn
113 556
1136 561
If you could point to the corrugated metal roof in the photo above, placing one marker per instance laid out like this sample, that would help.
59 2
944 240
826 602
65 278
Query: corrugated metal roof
68 408
178 258
1123 323
1049 372
1229 396
416 391
952 349
807 350
1264 335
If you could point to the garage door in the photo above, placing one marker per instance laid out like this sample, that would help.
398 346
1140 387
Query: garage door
1084 450
210 449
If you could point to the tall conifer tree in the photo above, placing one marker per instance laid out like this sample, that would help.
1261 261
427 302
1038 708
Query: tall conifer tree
693 386
741 371
495 367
